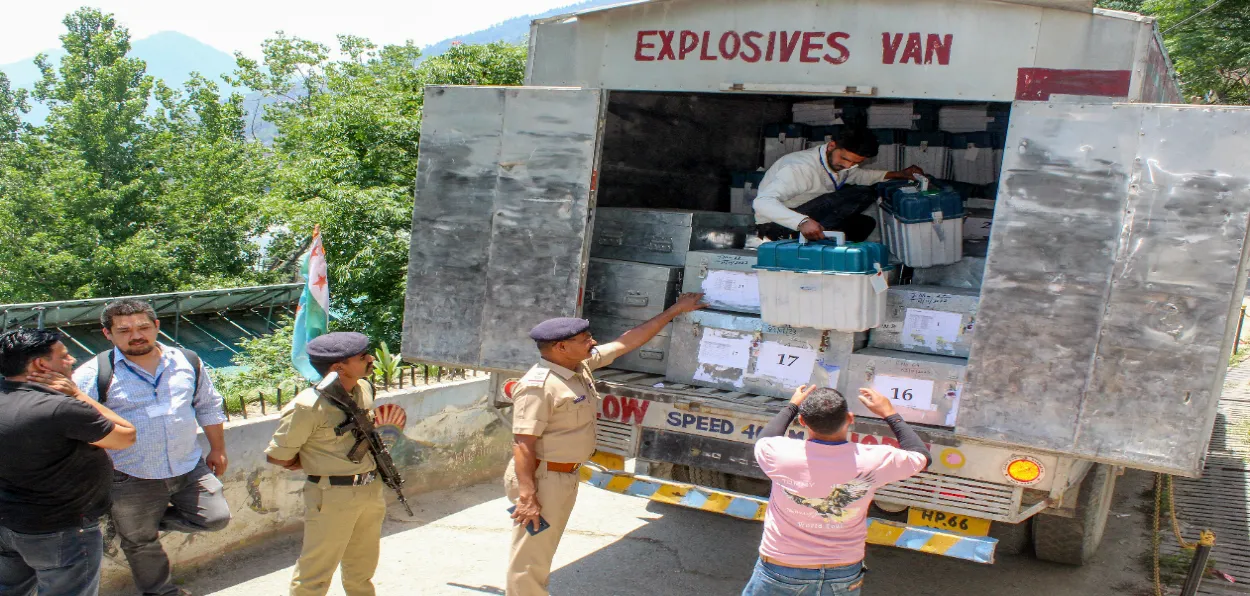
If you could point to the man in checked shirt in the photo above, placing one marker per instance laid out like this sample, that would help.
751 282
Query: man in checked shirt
164 482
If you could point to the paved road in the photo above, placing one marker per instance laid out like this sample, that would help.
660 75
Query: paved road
620 545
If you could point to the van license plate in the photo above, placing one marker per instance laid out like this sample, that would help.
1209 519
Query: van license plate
951 522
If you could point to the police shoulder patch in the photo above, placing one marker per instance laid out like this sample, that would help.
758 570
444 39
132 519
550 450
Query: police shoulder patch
536 376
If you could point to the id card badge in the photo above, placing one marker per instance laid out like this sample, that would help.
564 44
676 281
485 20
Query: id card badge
160 410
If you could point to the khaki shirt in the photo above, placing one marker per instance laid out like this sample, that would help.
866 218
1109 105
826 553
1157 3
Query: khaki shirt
307 428
558 406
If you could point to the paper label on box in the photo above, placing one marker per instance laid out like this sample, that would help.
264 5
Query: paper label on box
972 152
910 393
739 289
879 283
719 348
953 395
834 373
932 329
790 365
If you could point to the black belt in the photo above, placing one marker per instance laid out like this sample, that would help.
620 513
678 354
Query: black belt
357 480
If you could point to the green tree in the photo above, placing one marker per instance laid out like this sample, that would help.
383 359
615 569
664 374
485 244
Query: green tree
348 132
1210 50
130 187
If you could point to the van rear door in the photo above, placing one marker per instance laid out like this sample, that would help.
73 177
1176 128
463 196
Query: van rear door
504 194
1116 269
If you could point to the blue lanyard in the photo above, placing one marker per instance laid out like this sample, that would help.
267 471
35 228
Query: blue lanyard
836 185
155 383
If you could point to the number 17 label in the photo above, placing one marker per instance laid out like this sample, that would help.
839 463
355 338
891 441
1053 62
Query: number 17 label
911 393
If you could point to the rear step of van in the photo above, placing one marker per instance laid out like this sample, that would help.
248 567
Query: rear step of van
978 549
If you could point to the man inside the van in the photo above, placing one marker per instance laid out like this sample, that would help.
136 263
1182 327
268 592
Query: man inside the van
803 192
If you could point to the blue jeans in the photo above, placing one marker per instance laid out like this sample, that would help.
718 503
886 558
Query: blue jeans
64 563
775 580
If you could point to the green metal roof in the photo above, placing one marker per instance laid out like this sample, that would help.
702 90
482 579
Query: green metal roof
87 312
210 322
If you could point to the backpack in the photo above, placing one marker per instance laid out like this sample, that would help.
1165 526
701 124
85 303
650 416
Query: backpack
104 379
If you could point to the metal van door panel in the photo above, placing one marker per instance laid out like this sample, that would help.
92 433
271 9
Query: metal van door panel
1117 262
501 218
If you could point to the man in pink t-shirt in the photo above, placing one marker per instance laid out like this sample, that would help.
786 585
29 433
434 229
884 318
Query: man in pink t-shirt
816 526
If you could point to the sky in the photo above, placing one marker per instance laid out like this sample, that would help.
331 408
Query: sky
231 25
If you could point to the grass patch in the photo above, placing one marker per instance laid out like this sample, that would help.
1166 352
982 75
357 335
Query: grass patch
1173 569
1240 355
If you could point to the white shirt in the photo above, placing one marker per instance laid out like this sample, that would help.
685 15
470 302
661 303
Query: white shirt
798 178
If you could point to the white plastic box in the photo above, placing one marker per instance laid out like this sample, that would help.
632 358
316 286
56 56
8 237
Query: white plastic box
823 285
922 227
923 244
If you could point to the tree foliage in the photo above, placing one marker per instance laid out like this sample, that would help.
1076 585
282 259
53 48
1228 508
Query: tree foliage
348 134
130 186
1211 50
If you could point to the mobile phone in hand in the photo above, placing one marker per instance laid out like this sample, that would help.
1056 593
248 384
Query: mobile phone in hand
529 527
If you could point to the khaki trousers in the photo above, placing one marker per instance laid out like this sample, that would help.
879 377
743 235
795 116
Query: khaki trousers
529 564
342 525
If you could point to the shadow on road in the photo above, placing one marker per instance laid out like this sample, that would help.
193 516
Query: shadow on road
280 552
695 552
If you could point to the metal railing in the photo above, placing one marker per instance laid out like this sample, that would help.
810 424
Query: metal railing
408 376
1237 339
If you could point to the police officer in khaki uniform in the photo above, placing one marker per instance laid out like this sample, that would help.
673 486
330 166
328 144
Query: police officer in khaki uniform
343 502
553 427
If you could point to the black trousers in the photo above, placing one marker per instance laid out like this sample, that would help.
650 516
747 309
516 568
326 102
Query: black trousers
837 211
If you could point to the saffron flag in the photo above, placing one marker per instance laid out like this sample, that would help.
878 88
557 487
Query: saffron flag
314 307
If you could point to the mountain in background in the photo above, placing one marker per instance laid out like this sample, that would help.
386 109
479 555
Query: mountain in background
173 56
512 30
170 56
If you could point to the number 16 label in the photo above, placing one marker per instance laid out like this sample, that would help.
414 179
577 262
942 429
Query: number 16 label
911 393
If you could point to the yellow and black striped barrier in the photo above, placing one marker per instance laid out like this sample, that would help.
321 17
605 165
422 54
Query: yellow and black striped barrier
599 474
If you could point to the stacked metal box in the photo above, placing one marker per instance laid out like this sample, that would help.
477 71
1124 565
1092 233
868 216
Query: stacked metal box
743 186
740 352
635 272
783 139
924 388
664 236
928 319
918 356
726 278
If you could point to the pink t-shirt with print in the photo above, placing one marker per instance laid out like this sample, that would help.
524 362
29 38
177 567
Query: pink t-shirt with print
821 491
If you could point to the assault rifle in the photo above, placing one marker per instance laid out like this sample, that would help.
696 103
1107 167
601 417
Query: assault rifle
367 439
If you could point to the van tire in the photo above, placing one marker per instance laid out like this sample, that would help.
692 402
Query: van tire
1074 540
708 478
1013 539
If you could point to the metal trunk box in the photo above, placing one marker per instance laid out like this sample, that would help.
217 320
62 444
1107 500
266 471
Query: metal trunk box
664 236
925 389
630 290
726 278
743 353
743 187
928 320
977 225
781 140
652 357
967 273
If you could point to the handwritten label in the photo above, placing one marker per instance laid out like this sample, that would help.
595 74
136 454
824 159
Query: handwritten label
720 348
907 392
933 329
735 289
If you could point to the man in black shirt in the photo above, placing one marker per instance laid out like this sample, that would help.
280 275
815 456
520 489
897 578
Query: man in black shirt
54 474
